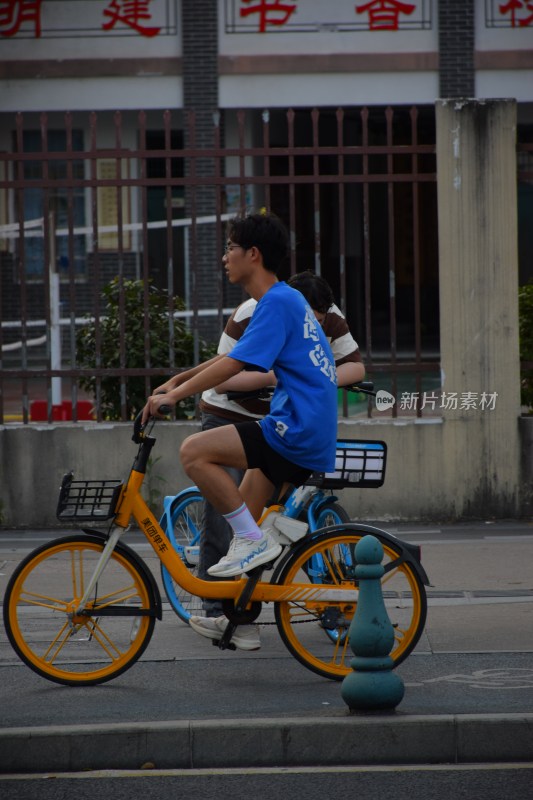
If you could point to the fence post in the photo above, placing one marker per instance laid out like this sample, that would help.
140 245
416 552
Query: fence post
55 315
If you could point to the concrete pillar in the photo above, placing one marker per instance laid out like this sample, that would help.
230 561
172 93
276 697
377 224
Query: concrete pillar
478 267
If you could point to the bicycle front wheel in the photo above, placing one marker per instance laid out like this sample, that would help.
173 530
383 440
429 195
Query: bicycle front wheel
331 514
329 559
186 516
86 648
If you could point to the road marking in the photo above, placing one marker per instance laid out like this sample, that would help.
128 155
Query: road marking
504 678
158 773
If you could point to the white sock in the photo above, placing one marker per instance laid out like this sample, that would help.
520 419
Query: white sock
243 524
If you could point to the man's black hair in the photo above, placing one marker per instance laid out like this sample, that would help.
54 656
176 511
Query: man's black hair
314 288
264 231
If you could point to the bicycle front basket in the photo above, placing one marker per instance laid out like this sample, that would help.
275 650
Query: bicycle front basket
357 464
82 500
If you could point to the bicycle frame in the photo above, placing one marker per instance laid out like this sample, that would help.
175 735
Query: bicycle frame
308 498
132 504
298 499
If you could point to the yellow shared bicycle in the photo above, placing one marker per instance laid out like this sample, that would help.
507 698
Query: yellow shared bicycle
81 609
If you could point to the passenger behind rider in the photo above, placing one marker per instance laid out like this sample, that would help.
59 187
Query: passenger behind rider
297 436
217 409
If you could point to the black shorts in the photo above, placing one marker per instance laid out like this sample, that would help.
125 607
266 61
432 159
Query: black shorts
260 455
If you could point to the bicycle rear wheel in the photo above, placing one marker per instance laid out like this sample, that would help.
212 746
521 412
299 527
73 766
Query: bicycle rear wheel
186 516
328 559
91 647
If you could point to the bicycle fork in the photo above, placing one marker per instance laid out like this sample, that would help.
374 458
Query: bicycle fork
110 545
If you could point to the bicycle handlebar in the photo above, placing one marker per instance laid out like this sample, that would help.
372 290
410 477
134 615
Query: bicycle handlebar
138 428
363 387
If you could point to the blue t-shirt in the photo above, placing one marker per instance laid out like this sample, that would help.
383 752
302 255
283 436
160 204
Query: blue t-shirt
285 336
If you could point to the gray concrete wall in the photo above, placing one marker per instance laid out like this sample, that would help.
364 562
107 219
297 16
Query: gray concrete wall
417 487
471 463
34 459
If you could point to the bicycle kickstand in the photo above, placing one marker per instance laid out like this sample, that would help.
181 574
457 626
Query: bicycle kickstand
225 643
238 614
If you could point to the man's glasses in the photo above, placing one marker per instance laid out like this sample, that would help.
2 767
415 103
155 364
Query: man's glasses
229 247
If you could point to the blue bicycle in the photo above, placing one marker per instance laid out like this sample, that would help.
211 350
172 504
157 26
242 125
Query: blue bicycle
358 464
182 522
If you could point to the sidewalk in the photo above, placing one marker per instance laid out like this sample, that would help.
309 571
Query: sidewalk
468 686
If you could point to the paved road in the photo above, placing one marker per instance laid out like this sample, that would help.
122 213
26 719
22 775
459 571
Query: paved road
468 686
474 782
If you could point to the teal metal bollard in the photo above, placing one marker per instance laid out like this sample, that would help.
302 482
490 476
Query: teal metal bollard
372 686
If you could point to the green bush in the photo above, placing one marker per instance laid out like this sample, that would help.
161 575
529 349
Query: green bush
134 355
525 304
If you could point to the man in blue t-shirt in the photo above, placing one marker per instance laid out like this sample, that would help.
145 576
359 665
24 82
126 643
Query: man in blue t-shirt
297 437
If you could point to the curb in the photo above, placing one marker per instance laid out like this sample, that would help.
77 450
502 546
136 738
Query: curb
386 738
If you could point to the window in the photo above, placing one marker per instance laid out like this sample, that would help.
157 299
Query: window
65 204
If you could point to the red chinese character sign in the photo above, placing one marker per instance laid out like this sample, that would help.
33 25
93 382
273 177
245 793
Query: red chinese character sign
88 19
385 15
511 14
133 13
20 14
321 16
269 12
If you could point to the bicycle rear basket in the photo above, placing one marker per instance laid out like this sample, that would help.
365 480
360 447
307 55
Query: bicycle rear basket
357 464
81 500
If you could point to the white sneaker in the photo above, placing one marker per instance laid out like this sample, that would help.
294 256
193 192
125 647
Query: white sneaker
246 637
245 554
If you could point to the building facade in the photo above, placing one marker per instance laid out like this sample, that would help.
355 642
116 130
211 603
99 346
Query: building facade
265 100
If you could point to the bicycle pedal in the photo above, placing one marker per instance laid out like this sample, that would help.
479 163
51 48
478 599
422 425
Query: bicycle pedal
260 568
255 572
221 646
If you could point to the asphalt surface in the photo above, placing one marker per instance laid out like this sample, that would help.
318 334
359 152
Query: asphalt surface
468 686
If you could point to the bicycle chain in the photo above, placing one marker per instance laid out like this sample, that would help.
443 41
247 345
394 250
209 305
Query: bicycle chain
296 622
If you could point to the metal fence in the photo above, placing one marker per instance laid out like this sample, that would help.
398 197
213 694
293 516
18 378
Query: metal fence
86 198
